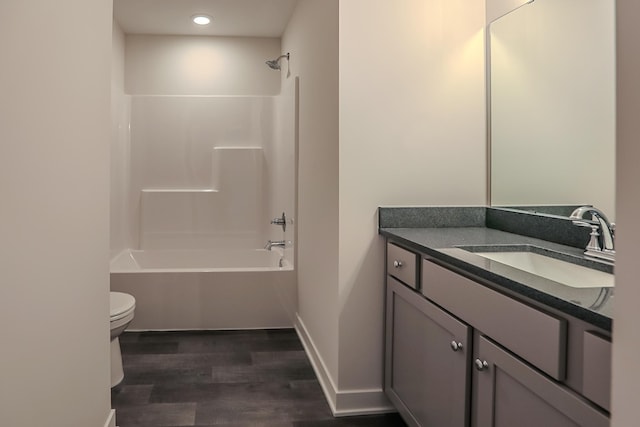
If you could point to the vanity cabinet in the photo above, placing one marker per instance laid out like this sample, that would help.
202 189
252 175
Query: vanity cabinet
536 336
428 360
460 353
509 392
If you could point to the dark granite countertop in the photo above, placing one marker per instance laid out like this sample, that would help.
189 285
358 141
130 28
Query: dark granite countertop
592 305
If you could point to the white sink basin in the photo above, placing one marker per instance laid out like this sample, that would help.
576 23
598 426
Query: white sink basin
554 269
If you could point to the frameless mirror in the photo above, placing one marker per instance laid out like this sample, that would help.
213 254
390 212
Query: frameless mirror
552 105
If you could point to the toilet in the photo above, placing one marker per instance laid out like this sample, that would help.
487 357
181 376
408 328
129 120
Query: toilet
122 307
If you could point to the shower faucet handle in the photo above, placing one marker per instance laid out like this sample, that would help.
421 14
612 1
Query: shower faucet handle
282 221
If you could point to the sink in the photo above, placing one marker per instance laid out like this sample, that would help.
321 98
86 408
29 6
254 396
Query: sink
566 273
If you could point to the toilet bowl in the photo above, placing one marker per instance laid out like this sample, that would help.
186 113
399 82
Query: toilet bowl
122 307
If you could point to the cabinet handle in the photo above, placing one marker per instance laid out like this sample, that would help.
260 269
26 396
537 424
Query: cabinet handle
397 264
481 365
455 346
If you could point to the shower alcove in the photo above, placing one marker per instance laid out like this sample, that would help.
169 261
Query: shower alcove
196 179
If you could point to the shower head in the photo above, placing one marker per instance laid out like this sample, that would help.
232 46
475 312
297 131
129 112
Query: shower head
274 64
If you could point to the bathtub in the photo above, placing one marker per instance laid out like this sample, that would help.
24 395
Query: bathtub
207 289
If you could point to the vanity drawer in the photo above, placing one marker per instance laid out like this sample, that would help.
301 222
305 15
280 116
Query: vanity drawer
596 369
533 335
402 264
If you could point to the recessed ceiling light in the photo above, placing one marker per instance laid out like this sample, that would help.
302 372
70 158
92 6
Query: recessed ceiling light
201 19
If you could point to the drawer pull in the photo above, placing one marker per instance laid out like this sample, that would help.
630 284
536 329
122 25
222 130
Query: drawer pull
397 264
455 346
481 365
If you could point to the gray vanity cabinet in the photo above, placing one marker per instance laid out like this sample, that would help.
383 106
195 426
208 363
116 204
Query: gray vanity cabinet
460 353
508 392
427 360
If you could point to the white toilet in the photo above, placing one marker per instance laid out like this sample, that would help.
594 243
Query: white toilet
122 307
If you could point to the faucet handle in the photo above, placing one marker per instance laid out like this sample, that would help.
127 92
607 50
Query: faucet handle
594 241
280 221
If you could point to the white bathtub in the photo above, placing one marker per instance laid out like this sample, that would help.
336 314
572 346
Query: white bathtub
131 261
212 289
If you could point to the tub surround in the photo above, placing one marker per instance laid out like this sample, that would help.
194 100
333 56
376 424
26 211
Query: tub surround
226 210
422 230
207 173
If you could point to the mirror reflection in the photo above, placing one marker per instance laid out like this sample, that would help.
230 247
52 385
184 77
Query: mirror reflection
552 92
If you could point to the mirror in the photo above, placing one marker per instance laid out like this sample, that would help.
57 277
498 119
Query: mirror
552 105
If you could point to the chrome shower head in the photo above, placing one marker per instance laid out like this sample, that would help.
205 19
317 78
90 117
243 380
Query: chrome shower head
274 64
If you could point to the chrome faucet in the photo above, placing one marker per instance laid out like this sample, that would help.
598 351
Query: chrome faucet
277 243
602 242
281 221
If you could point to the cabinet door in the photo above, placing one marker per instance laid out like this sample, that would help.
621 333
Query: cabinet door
508 392
427 360
596 369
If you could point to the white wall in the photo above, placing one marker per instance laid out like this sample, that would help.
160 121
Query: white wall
54 181
626 334
497 8
412 132
190 65
312 39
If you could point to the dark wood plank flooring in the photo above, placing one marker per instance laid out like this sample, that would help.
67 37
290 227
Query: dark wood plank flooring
224 379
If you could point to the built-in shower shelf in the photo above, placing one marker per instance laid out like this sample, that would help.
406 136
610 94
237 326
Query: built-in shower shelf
179 190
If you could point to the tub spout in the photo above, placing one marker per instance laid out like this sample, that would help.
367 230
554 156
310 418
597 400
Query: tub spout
271 243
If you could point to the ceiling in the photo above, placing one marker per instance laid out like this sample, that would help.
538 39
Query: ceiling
240 18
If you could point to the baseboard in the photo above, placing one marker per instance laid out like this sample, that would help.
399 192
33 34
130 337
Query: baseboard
111 419
362 402
209 329
317 363
342 402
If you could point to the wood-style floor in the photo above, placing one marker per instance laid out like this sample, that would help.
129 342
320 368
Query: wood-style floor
224 378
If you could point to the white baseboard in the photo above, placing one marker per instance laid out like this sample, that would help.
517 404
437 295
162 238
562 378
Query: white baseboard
318 364
342 402
111 419
362 402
